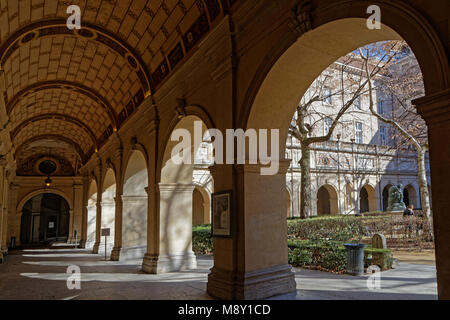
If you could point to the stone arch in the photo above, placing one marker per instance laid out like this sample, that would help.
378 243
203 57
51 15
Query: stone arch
288 203
45 217
201 206
411 194
91 226
327 200
315 50
175 199
43 191
135 206
367 199
108 204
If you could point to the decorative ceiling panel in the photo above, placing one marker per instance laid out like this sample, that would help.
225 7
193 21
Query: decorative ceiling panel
78 86
61 101
56 127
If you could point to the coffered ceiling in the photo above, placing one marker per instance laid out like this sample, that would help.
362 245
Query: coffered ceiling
76 87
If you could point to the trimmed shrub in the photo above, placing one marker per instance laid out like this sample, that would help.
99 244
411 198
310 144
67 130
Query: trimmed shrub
202 242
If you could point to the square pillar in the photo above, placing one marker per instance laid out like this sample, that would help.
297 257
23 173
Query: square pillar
253 264
174 247
435 109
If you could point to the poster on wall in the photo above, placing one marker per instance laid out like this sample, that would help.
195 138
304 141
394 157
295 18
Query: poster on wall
221 214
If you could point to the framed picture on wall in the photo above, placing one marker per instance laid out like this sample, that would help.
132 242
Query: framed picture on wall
222 214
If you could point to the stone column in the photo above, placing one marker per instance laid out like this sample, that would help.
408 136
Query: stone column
253 264
115 253
175 231
98 226
77 220
84 217
435 109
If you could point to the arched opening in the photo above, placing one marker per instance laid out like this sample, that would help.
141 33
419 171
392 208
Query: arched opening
367 199
91 215
410 196
327 202
288 204
45 219
386 196
108 212
135 204
176 188
201 207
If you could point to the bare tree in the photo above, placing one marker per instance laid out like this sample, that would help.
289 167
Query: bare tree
308 116
403 82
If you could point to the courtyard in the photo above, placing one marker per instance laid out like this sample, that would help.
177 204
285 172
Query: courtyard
41 274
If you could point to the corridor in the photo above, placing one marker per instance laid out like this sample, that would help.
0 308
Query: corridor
37 274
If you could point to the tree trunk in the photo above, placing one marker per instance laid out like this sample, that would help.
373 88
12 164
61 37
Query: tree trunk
423 183
305 182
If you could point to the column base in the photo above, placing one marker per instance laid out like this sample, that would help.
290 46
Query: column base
255 285
95 248
115 254
82 244
156 264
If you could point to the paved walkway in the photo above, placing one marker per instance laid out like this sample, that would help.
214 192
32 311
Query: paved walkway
41 274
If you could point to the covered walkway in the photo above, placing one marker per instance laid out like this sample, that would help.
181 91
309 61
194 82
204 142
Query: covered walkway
37 274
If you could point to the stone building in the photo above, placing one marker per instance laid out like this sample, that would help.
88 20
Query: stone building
105 99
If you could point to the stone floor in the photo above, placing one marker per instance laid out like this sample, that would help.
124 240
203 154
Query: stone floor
41 274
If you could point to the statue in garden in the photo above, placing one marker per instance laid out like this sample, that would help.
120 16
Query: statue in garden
395 202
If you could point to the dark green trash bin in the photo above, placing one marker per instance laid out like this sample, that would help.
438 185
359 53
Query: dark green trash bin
355 258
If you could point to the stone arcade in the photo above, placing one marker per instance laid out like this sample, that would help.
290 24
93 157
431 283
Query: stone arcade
104 100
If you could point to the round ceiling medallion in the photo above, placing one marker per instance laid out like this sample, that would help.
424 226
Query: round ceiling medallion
47 167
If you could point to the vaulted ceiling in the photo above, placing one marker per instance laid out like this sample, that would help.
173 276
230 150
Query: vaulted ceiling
69 90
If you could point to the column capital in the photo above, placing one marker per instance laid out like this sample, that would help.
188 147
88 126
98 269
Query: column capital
434 108
283 165
177 187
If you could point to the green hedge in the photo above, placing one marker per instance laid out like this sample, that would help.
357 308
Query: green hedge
316 243
332 255
202 242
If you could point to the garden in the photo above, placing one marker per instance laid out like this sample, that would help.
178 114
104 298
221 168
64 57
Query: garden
318 242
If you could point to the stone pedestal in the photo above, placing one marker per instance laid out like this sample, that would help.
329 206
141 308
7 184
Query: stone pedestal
115 254
175 231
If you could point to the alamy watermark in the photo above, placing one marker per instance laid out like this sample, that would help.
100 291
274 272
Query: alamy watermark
257 146
373 282
74 279
74 20
374 21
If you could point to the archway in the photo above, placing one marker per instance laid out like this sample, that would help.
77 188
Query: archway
91 215
45 219
288 204
367 199
201 207
327 202
173 247
286 72
386 196
108 210
135 204
410 196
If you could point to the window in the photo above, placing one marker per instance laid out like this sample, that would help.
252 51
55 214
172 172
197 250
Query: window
380 107
357 103
359 132
327 95
327 125
383 135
